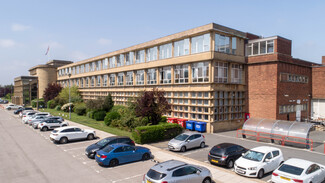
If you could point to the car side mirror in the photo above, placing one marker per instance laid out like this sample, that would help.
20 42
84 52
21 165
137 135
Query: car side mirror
267 160
198 172
242 154
188 140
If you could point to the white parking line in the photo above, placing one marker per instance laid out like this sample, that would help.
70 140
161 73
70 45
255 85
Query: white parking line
121 180
65 150
195 151
269 180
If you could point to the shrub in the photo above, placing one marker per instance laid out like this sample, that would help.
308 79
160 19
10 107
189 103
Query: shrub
80 109
110 116
163 119
51 104
99 115
90 114
65 107
58 108
155 133
41 103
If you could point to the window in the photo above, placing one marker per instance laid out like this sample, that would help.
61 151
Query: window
105 80
181 47
200 72
98 65
275 153
165 75
105 63
73 71
77 69
222 43
139 56
112 62
151 54
233 45
129 78
112 79
120 79
165 51
152 76
259 48
92 66
200 43
120 60
92 81
140 77
236 73
98 80
82 69
221 72
129 57
181 74
82 82
87 68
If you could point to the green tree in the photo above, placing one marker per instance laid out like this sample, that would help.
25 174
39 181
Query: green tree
108 103
74 95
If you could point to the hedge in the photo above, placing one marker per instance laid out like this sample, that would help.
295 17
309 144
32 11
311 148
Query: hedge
110 116
51 104
155 133
99 115
80 109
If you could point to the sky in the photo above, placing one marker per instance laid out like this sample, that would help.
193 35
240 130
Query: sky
78 29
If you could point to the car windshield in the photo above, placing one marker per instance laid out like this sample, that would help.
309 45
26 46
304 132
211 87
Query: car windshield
108 149
181 137
291 169
54 131
103 142
253 155
155 175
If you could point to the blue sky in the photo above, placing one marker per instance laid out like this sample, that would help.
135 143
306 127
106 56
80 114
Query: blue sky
80 29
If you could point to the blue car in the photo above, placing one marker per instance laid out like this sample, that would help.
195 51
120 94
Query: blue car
115 154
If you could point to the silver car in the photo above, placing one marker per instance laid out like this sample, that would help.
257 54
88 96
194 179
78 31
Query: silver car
177 171
186 141
36 119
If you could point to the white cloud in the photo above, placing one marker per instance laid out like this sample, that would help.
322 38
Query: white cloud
6 43
104 41
19 27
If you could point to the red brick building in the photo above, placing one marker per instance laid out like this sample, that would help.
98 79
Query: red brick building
318 88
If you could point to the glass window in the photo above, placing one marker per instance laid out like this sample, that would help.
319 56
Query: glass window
87 68
140 77
82 69
221 72
139 56
99 65
222 43
200 43
105 77
129 57
234 45
165 51
263 47
165 75
236 73
152 76
105 63
181 47
181 74
120 79
200 72
92 81
151 54
82 82
98 80
120 60
129 78
112 79
112 62
92 66
270 46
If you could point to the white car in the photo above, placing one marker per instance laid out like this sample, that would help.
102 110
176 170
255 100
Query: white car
65 134
28 116
13 106
299 170
258 161
47 124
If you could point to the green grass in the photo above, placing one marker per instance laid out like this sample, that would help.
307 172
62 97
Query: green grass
84 120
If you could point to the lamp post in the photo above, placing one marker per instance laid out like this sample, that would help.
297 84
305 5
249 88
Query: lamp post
37 94
30 92
69 98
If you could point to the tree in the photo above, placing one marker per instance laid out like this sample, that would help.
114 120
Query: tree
152 104
95 104
108 103
74 95
52 90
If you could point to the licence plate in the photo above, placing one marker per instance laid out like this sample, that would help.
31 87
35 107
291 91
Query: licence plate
98 155
214 161
285 178
240 171
149 181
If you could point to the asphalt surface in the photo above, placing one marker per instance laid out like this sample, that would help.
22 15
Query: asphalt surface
27 155
201 154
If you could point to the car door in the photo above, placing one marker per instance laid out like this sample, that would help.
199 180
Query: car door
56 123
315 173
190 142
118 153
239 151
79 134
268 165
197 140
277 158
187 174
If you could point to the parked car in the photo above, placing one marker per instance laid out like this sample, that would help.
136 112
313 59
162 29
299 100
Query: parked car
258 161
299 170
177 171
115 154
28 116
93 148
56 117
186 141
36 119
24 112
22 109
3 101
70 133
225 154
35 123
13 106
51 124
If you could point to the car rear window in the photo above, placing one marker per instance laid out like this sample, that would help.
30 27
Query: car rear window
291 169
155 175
217 150
108 149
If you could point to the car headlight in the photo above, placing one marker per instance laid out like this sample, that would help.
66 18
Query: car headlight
235 164
252 168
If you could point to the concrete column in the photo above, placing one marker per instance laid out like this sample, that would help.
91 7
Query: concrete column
229 72
172 74
134 75
189 73
211 72
158 76
212 42
145 77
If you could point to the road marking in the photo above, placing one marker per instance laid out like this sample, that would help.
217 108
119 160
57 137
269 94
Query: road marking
120 180
65 150
269 180
195 151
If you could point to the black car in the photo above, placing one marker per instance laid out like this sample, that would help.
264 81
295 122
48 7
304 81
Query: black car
22 109
225 154
92 149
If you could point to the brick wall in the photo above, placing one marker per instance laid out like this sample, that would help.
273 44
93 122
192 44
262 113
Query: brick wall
318 88
282 45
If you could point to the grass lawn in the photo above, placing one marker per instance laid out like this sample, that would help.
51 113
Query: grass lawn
84 120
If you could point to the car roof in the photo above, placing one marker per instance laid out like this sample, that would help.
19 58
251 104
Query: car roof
117 145
301 163
190 133
265 149
168 166
66 127
117 137
225 145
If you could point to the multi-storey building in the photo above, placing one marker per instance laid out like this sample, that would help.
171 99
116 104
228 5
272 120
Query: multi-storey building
201 70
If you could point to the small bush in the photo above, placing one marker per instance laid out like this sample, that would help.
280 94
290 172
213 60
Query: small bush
80 109
163 119
51 104
65 107
58 108
41 103
90 114
99 115
110 116
155 133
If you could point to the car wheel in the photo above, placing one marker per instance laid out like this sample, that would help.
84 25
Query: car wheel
92 155
44 128
9 109
113 162
64 125
230 163
202 145
90 137
145 156
260 174
183 149
207 180
63 140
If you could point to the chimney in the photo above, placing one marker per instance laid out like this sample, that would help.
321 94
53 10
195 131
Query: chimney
323 60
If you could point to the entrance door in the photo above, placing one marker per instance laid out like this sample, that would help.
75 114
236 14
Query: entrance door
298 112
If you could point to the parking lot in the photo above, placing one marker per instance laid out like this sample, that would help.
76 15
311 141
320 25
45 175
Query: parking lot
36 159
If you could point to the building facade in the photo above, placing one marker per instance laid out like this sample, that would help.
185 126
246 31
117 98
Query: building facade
318 101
